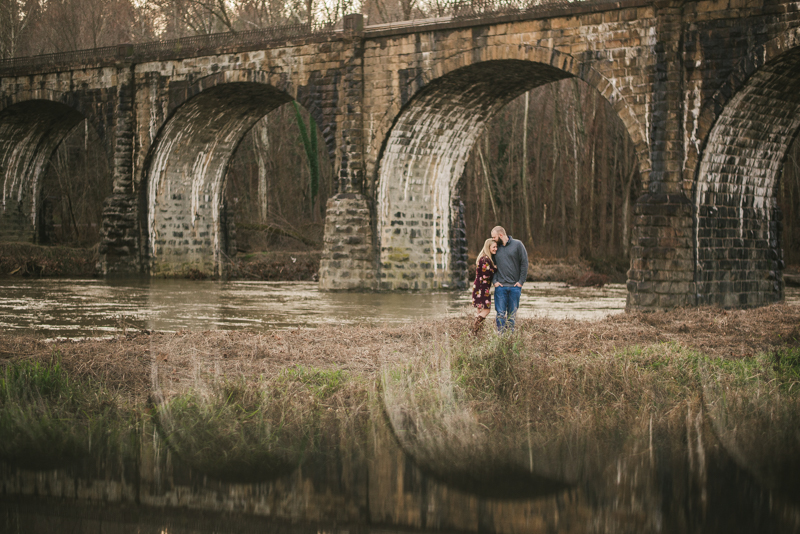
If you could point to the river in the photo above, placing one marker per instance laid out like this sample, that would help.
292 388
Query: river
90 308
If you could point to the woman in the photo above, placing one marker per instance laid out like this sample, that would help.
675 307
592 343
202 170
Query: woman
481 298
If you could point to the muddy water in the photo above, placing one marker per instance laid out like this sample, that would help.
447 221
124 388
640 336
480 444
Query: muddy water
80 308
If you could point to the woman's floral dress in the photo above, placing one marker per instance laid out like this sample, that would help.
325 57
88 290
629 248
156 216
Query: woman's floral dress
481 298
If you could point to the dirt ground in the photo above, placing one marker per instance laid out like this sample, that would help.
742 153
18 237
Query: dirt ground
127 361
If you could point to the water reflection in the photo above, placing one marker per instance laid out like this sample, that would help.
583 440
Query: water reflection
447 443
371 485
754 410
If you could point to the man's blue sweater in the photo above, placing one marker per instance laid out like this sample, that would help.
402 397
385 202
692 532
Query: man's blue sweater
512 263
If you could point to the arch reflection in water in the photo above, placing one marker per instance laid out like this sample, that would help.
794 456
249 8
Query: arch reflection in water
497 419
480 416
232 432
226 418
754 409
469 439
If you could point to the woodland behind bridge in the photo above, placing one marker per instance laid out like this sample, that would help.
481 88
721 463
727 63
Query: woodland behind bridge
555 167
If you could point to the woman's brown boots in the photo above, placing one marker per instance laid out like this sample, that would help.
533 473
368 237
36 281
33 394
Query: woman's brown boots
477 325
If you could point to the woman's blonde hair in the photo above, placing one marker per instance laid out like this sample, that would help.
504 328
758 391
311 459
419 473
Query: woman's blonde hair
486 252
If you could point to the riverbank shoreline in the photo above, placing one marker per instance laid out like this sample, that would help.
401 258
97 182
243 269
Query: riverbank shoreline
124 361
36 261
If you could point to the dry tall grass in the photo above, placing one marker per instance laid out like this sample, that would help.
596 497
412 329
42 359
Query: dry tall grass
565 400
26 259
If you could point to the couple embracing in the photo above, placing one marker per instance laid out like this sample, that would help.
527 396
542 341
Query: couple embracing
502 263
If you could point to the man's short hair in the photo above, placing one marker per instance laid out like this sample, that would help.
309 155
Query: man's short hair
499 229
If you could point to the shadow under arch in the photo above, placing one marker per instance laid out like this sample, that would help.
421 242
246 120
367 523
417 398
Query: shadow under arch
30 132
185 173
738 255
424 155
476 467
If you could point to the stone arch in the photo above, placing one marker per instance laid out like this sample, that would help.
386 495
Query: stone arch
561 61
738 259
424 154
46 94
308 98
31 129
716 105
186 168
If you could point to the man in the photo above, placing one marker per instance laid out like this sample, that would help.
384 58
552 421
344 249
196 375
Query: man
512 269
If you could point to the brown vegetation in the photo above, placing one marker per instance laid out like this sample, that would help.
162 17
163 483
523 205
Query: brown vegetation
532 412
25 259
590 280
125 361
276 266
570 271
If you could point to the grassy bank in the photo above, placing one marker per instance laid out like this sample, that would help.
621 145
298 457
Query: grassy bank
49 418
251 406
29 260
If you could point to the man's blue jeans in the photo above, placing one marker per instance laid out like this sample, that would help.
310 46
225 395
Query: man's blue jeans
506 302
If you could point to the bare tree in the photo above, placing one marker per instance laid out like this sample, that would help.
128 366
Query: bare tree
572 179
260 139
15 18
271 186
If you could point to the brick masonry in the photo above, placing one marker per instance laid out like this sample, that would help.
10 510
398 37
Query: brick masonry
349 259
703 88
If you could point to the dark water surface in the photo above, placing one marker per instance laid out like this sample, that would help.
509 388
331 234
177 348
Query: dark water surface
685 483
80 308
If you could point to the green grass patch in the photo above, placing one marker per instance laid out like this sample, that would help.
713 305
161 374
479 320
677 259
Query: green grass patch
243 431
48 420
323 383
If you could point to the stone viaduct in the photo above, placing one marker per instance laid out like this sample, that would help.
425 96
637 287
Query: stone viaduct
706 89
